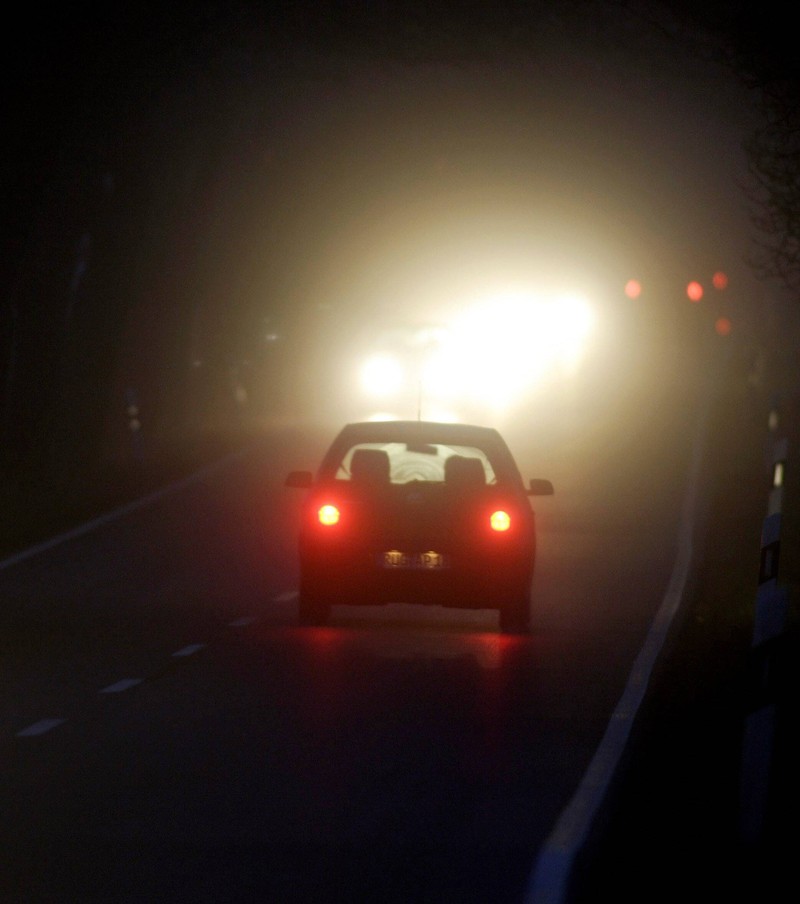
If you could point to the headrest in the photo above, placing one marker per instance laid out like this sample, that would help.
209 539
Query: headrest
464 471
370 465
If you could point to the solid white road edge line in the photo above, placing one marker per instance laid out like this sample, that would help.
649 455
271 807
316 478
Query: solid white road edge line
39 728
549 880
120 686
187 651
119 512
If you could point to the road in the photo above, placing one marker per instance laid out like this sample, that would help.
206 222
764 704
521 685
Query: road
168 733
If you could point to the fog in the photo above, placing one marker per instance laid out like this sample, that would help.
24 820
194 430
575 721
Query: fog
221 211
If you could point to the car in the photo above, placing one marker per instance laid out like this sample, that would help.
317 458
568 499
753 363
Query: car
417 512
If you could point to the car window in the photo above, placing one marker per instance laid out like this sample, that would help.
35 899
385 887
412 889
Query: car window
411 462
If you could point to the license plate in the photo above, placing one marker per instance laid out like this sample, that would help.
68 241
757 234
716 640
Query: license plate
421 561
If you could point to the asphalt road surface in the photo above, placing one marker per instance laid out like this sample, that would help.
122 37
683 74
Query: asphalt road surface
167 733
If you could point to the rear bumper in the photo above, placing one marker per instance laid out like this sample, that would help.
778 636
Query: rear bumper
467 583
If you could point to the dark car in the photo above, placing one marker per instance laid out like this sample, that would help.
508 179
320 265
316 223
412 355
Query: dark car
418 512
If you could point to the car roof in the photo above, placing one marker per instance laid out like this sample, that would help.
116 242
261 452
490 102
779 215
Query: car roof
431 431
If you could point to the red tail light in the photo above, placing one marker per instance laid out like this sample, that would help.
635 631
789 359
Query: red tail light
328 515
500 520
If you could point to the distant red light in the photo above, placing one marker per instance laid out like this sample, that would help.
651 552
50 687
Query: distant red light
695 291
723 326
633 288
720 280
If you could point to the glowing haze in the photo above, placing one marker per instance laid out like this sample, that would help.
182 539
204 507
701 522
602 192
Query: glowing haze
487 357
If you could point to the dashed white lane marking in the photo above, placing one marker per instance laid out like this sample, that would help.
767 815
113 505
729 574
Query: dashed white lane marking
121 686
40 727
285 597
45 725
187 651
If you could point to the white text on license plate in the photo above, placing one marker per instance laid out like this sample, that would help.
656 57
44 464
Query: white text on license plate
429 560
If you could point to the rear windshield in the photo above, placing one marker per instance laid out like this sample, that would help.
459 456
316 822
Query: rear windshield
400 463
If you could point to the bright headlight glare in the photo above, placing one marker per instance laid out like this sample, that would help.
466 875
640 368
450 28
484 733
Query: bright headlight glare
381 376
491 353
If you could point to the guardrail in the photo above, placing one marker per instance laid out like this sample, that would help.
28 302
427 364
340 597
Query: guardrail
770 649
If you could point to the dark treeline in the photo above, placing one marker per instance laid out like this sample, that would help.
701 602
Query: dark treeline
118 128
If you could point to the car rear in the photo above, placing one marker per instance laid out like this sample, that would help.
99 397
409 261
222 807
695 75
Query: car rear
417 544
417 521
